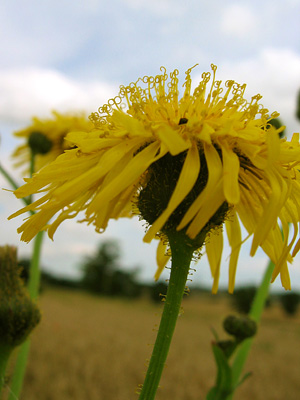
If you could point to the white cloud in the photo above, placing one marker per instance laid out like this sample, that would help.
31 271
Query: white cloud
161 8
239 20
275 74
36 91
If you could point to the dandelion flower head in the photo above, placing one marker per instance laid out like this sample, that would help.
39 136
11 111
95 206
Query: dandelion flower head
192 163
49 133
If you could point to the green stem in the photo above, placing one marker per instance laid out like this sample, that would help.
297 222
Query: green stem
8 178
32 166
19 371
14 185
255 313
5 352
33 289
34 275
181 258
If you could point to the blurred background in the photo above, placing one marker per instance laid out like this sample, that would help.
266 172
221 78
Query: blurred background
73 55
94 340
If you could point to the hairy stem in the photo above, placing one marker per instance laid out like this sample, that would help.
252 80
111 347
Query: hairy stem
181 258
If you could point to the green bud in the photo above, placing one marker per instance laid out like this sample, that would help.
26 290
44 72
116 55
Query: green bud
18 313
240 327
39 143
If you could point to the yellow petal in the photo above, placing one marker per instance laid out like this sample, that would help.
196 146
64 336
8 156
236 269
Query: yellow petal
285 248
134 170
214 200
215 169
172 140
285 277
97 203
233 230
273 144
231 167
214 248
68 191
161 258
271 210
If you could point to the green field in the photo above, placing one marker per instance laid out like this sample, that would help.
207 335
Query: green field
89 347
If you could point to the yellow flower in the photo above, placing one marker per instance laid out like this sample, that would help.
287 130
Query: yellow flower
183 162
53 132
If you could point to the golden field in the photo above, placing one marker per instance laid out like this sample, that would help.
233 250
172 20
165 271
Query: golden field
89 348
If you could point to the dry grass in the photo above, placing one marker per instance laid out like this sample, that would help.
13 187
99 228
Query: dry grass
93 348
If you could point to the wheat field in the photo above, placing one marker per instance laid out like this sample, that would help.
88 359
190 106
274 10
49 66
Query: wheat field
89 348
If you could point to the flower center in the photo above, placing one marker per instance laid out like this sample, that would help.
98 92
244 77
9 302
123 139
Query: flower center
39 143
161 180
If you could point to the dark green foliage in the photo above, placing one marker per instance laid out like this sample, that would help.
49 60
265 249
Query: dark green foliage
124 284
290 302
102 275
158 291
276 122
242 298
97 270
46 278
298 106
50 279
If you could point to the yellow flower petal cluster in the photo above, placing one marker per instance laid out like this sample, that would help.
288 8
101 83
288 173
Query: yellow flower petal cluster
54 129
229 153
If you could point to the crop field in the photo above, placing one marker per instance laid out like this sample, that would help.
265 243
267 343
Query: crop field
94 348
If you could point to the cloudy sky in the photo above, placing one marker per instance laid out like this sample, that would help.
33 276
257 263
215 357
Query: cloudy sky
73 55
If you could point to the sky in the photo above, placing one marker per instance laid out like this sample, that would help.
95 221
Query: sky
73 55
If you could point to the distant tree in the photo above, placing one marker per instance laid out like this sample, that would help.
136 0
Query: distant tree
102 275
98 269
290 302
124 284
242 299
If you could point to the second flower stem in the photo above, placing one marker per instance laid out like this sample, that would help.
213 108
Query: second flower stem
255 313
181 258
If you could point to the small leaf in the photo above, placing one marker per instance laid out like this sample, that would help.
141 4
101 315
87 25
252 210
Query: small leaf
246 376
223 386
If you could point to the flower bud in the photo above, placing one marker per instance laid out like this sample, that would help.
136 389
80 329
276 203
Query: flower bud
240 327
18 313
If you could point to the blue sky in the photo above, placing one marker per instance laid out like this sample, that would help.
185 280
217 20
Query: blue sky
73 55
